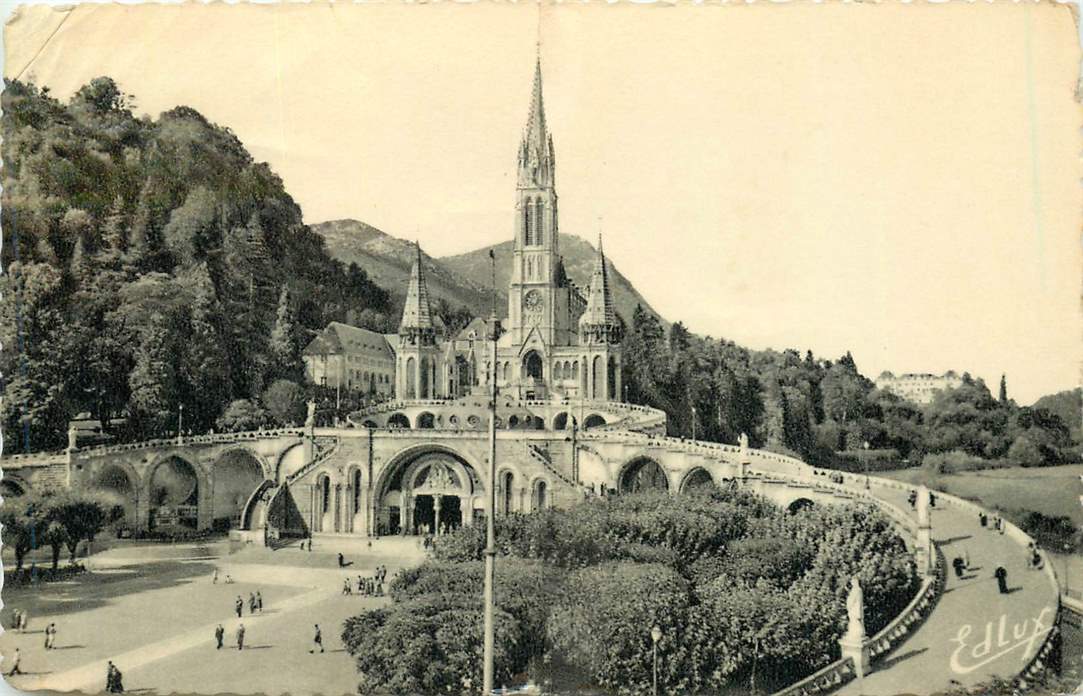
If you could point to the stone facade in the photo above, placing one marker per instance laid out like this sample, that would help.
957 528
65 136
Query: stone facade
919 388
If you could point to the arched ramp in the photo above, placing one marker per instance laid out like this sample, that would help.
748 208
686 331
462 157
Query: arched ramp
698 479
642 474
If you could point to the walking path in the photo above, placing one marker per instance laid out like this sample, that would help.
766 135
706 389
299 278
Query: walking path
973 633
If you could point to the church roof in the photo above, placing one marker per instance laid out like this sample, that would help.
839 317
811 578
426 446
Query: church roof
417 313
536 155
599 311
338 338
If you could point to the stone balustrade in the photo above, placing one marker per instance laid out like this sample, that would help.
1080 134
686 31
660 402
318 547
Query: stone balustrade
824 681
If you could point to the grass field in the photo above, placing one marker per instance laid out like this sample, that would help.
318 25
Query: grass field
1052 490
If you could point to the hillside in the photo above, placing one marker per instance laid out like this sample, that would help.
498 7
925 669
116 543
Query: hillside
463 279
1069 406
387 261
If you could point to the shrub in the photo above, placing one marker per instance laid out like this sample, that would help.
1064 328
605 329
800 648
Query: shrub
952 462
604 619
1024 452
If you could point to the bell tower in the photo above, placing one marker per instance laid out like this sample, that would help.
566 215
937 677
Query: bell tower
532 295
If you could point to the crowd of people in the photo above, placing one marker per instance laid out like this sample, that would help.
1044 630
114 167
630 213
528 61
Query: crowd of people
372 586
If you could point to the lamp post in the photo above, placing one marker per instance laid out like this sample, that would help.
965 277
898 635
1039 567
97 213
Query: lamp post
693 423
656 635
866 460
490 504
180 424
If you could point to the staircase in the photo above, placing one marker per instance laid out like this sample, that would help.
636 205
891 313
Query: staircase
542 457
322 449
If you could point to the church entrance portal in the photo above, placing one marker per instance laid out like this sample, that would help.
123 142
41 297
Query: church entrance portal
437 514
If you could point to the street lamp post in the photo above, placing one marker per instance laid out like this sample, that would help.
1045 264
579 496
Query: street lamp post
180 424
490 507
693 422
656 635
866 460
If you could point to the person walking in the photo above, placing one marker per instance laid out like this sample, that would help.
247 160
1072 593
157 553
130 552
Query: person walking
24 620
50 636
240 637
1002 579
957 564
346 589
341 561
251 603
259 602
16 619
214 578
114 683
219 636
16 657
983 519
238 606
317 640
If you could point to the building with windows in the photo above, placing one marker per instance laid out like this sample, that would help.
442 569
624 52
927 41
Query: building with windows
352 359
918 387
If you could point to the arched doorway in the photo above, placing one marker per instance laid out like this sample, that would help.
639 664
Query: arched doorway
426 420
507 490
560 422
411 378
355 510
398 420
611 378
532 366
643 474
118 490
429 488
237 474
174 495
9 488
539 499
593 421
697 480
799 505
323 515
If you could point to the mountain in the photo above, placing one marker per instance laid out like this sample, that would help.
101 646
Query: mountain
464 279
579 256
387 261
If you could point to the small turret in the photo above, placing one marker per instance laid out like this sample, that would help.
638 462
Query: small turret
417 327
599 321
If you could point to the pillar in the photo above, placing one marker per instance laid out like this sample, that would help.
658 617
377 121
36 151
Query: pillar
436 513
403 515
856 649
464 508
924 549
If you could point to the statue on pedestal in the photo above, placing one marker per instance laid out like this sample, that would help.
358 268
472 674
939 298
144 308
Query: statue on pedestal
855 610
743 442
310 420
73 438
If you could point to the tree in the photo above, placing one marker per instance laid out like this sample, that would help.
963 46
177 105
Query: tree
284 401
21 521
153 379
285 351
242 415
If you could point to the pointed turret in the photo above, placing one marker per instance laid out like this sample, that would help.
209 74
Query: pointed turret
599 321
416 313
536 156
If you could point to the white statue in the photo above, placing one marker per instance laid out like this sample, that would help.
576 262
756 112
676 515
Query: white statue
73 437
311 419
855 610
743 441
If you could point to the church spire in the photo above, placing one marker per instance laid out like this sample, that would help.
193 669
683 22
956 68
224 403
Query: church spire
536 156
416 313
599 320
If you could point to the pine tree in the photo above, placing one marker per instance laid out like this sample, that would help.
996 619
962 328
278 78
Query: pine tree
205 367
153 379
284 345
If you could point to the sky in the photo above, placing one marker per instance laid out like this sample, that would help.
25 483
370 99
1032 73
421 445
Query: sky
896 180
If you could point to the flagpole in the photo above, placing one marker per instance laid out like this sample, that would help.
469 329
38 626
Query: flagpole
490 498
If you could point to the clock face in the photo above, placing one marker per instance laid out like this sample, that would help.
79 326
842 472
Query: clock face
533 301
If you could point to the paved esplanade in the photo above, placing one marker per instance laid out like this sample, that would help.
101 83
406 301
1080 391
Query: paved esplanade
973 633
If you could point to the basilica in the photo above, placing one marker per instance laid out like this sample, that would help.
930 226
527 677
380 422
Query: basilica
554 344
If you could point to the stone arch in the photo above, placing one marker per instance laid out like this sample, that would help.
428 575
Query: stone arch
254 514
119 484
323 503
396 494
558 370
642 474
369 423
264 466
237 473
398 420
539 494
536 422
594 420
505 481
533 366
799 505
11 487
696 479
560 421
426 420
289 461
177 491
